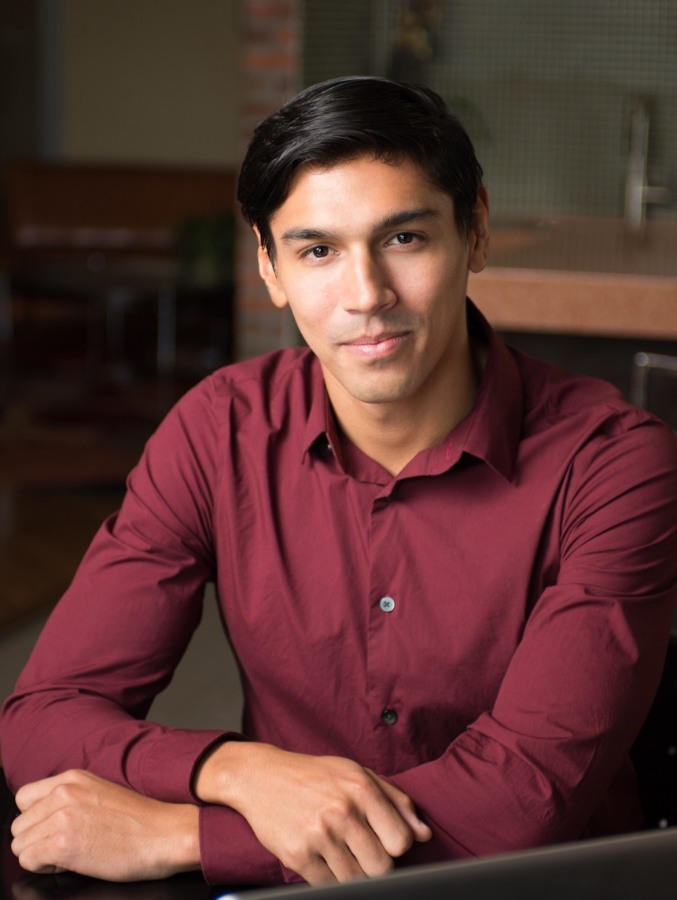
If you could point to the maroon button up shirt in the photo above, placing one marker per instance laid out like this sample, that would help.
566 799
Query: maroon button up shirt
486 630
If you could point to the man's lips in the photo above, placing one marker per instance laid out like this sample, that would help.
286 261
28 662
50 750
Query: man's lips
376 345
367 340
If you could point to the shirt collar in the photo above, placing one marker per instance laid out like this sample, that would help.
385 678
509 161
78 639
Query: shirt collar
490 431
320 427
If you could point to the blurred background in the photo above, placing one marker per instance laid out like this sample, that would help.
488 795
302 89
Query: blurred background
126 276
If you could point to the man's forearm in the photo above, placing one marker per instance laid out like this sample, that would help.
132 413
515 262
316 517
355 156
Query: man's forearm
326 818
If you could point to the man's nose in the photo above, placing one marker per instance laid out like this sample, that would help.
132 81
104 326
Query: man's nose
369 288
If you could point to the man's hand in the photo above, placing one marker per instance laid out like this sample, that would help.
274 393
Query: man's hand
81 823
326 818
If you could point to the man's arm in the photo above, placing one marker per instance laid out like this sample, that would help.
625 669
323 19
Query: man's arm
115 638
540 766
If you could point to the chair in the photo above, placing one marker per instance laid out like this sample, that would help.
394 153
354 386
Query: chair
647 370
654 753
104 237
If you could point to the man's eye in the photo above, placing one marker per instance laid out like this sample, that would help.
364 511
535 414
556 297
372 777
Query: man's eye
404 237
318 252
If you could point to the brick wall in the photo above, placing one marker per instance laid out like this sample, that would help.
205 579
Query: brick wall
271 74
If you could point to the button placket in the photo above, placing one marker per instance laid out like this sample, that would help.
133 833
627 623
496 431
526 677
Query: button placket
384 635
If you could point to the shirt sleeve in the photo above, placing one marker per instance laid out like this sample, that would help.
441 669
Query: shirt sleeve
549 762
232 854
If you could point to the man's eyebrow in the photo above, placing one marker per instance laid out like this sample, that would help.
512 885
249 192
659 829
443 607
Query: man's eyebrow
406 217
308 234
396 220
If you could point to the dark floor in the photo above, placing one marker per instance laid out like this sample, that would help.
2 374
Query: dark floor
74 416
65 449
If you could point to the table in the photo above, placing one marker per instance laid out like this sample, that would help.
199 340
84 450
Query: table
627 867
106 288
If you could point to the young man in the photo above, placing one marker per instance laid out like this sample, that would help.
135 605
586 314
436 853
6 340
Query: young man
447 570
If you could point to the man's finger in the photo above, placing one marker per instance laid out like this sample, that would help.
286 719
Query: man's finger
394 819
371 857
31 793
406 809
343 864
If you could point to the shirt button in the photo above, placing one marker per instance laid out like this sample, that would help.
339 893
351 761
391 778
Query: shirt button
388 716
387 604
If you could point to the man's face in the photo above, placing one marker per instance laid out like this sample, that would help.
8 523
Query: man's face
370 261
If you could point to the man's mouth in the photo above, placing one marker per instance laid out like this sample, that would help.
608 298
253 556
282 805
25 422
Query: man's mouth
377 345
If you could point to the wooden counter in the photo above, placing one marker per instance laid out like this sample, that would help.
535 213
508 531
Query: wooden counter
586 303
581 276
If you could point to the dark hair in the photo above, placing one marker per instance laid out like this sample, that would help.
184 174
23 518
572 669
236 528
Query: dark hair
345 118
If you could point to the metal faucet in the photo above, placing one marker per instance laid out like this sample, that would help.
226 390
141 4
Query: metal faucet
637 192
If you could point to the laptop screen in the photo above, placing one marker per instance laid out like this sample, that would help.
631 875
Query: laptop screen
640 866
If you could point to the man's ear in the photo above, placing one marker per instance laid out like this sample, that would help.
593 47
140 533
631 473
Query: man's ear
269 276
478 240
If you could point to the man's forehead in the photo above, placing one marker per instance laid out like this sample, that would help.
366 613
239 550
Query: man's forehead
408 189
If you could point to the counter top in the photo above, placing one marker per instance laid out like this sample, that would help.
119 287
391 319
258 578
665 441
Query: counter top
581 276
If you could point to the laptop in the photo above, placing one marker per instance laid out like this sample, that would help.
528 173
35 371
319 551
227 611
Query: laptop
641 866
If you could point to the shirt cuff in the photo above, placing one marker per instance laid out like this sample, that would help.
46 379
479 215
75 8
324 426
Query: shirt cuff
166 769
231 853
